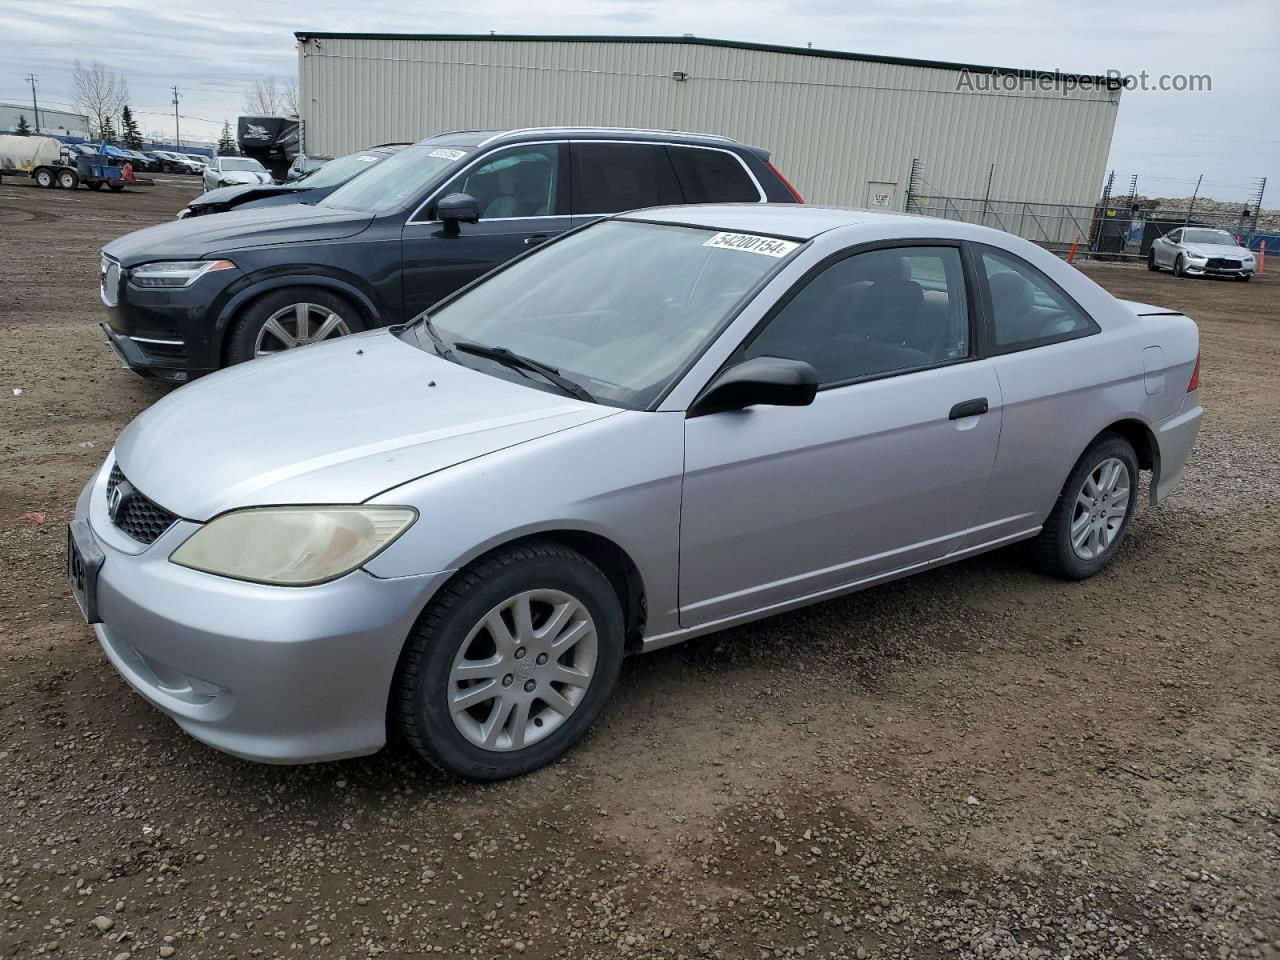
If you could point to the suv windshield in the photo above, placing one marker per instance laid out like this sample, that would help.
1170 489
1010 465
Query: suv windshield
620 307
242 163
1208 236
397 181
339 171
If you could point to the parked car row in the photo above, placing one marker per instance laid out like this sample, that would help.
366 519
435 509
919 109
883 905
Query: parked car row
637 427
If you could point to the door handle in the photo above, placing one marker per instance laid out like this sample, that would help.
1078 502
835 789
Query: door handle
536 239
969 408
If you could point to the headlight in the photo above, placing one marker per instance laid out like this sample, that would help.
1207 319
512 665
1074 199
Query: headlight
293 546
175 273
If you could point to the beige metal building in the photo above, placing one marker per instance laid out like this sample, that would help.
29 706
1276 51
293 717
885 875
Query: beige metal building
844 128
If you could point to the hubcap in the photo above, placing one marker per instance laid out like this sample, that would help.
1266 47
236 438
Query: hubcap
1100 509
297 325
522 670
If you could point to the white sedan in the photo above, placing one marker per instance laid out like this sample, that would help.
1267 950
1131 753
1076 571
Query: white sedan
1200 252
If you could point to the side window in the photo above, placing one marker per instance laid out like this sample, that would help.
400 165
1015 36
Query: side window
612 177
1174 237
1027 308
520 182
712 176
874 313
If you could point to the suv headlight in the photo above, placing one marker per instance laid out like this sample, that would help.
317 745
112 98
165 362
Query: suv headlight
175 273
293 546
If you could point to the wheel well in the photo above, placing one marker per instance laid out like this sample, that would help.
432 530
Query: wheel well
1144 445
228 326
613 562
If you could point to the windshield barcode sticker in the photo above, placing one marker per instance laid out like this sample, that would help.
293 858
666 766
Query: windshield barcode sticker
444 153
750 243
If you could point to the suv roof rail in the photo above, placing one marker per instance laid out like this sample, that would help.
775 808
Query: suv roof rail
586 129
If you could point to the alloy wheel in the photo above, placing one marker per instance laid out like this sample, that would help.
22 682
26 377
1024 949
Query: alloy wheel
1101 506
296 326
522 670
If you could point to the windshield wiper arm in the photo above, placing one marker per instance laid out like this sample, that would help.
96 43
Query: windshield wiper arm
442 348
551 374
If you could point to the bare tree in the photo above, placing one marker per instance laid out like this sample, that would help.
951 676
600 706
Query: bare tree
98 92
289 94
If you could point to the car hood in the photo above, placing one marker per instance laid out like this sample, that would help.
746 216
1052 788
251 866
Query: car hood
191 239
244 176
1217 250
242 193
337 422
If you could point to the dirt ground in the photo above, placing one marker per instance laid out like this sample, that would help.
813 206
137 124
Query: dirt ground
975 762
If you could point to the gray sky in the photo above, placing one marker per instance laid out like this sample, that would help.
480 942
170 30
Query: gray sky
212 50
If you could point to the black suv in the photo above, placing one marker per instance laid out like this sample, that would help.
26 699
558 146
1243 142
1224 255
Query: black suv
188 297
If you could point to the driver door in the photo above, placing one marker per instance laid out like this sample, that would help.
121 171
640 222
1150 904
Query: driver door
523 194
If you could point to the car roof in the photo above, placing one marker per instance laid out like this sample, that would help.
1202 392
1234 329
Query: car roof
482 138
794 221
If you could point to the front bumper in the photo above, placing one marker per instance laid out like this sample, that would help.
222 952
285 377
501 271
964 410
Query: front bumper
1206 270
167 334
274 674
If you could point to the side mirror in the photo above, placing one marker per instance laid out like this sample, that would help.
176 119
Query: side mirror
455 208
765 381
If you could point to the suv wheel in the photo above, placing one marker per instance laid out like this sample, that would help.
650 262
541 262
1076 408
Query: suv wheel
288 318
511 663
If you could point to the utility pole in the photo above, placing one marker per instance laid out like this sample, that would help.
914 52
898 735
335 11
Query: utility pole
1192 206
177 131
35 107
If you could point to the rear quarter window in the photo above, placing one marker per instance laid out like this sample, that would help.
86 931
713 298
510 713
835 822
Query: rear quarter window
712 176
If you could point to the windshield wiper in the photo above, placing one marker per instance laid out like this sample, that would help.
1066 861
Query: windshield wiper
442 348
504 356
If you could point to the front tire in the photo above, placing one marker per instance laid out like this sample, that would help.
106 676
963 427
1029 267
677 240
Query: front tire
511 663
45 178
1178 270
1092 513
1151 262
288 318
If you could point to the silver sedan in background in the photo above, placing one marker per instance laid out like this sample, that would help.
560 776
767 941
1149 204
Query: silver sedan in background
1200 252
657 426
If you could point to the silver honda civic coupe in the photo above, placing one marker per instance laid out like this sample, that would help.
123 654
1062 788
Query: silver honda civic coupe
660 425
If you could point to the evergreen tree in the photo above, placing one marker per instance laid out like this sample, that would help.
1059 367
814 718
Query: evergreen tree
23 129
130 135
226 143
107 132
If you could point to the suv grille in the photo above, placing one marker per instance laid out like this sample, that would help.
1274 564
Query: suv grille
137 516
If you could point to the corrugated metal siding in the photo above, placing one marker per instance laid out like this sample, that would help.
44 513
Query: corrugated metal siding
831 125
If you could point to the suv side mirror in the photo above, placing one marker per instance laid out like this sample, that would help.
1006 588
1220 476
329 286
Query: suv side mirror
767 381
455 208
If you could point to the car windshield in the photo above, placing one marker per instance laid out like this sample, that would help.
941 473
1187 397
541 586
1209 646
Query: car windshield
1208 236
339 171
620 307
398 181
242 163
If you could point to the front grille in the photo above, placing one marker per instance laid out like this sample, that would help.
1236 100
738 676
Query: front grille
1222 263
137 516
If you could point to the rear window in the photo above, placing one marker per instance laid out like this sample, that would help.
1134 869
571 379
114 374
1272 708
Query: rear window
712 176
612 177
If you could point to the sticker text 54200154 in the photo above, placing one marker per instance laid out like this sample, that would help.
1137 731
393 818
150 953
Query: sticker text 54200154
750 243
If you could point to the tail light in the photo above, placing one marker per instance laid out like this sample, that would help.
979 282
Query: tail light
1195 376
786 183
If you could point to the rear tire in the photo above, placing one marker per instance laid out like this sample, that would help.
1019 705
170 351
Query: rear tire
45 178
115 187
452 644
94 184
269 323
68 179
1096 505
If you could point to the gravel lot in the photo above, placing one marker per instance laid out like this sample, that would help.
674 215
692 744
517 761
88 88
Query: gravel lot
976 762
